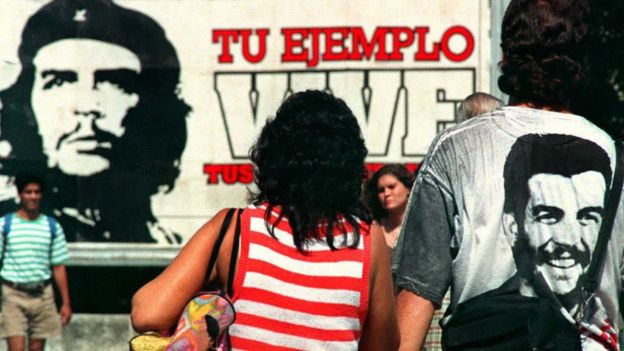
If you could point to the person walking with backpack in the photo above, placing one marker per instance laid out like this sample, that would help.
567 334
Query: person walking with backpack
33 250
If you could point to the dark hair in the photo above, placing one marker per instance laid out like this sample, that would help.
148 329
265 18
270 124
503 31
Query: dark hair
310 162
544 46
372 199
564 155
23 179
155 129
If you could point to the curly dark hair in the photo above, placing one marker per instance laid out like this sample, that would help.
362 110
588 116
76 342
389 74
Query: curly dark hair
372 200
23 179
544 48
143 161
310 162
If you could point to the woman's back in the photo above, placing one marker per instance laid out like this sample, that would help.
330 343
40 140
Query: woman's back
311 300
299 285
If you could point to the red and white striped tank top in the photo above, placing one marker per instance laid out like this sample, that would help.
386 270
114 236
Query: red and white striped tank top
286 300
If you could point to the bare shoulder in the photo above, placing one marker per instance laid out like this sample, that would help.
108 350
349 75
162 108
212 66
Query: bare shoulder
209 228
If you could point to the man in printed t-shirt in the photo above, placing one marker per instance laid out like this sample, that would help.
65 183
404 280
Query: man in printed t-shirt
472 228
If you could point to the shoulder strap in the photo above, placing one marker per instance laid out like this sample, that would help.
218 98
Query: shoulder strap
590 283
234 255
215 249
6 228
52 224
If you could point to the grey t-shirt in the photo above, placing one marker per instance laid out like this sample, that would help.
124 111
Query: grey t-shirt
515 192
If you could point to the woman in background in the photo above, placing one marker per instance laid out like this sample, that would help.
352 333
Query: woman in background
311 274
387 192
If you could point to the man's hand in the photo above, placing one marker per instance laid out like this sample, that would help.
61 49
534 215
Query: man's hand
60 275
66 314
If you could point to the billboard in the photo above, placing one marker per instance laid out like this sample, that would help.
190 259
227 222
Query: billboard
141 113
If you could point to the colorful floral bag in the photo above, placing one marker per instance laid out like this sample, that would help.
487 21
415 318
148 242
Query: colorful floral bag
205 319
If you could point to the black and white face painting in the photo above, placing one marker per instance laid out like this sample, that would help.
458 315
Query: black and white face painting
96 110
81 94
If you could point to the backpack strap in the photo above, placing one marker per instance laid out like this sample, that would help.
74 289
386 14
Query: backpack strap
6 228
52 224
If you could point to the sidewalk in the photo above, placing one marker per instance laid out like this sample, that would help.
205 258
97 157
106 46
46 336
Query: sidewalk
106 332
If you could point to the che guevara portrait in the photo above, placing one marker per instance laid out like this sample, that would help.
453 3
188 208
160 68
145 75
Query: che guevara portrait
96 109
555 187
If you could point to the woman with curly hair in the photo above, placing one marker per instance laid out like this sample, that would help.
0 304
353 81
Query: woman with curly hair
387 192
311 274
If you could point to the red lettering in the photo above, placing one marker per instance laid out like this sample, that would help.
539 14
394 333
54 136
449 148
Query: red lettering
225 36
422 54
315 48
290 44
310 56
371 168
398 43
360 45
307 44
335 49
230 174
245 174
412 167
464 32
262 35
213 173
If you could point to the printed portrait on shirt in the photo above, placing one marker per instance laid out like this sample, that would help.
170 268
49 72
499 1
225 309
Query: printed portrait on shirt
96 109
555 188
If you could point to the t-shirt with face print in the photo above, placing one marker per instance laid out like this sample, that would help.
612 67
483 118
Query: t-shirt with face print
517 193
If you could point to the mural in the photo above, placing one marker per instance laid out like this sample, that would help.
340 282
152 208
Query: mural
140 113
95 110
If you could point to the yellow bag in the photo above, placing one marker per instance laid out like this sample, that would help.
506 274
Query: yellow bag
202 326
205 319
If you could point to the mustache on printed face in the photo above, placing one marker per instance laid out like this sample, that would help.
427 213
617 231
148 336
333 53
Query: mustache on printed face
104 140
562 255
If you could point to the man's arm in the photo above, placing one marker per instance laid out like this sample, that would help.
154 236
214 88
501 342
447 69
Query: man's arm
422 258
414 315
60 276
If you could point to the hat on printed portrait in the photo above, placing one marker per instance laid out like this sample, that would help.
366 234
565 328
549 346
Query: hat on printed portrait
100 20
